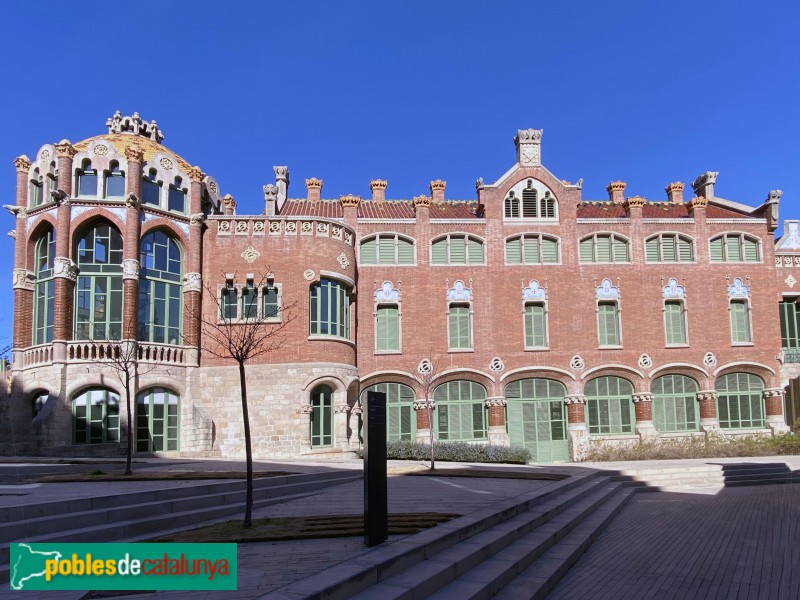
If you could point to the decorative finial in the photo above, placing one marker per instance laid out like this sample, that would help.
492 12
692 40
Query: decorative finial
135 125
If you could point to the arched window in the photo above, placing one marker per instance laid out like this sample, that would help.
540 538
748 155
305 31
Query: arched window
95 417
401 422
37 188
87 179
531 249
739 401
675 404
604 248
160 289
322 417
530 199
386 249
457 249
609 406
52 178
547 206
735 247
669 247
537 418
98 314
176 200
460 411
330 309
115 181
511 206
157 421
151 188
45 290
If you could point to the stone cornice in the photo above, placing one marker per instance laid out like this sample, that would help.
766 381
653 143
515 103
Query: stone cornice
635 202
642 397
22 163
349 200
421 201
707 395
134 155
64 149
616 186
313 184
196 174
378 184
575 399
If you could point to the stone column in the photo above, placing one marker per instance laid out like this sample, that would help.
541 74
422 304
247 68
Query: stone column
130 245
23 279
192 279
576 426
65 270
709 423
773 400
306 409
643 405
423 425
341 415
496 407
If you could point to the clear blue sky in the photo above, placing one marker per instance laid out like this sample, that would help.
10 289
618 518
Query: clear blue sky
412 91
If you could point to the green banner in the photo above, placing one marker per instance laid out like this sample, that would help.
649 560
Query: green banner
143 566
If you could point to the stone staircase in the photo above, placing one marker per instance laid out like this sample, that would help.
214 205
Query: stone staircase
523 543
706 477
137 516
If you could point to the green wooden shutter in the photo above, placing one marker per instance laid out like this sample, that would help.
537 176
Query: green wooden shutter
386 250
586 255
733 247
529 203
750 250
368 252
439 252
716 252
460 334
674 323
513 252
621 250
405 252
535 326
608 324
740 323
475 251
651 250
668 250
790 324
458 250
531 250
549 250
603 248
685 250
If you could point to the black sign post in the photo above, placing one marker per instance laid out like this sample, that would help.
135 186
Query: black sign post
376 507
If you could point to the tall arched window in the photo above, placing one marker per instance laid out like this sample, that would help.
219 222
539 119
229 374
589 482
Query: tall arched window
115 181
322 417
157 421
37 188
95 417
609 406
176 199
98 314
401 422
45 291
460 411
160 289
87 179
674 404
330 309
739 401
151 188
52 178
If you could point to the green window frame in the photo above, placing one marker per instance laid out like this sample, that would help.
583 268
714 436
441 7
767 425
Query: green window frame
322 417
458 249
675 323
271 302
535 325
86 180
532 249
459 326
157 421
604 248
114 184
52 180
249 302
739 401
609 406
790 324
735 247
95 417
669 248
228 302
36 189
401 420
741 332
521 417
387 249
609 331
675 404
45 289
460 411
329 312
160 289
99 298
387 328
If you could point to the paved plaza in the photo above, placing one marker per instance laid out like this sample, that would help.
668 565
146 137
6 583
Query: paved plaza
728 543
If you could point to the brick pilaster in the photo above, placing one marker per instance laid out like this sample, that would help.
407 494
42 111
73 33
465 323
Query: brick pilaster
575 408
130 245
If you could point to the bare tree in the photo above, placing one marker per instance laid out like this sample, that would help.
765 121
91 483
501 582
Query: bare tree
243 332
428 369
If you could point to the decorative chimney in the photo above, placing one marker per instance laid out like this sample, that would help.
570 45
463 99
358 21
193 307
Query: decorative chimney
771 214
529 147
230 204
282 181
704 185
313 189
616 191
422 201
378 187
437 191
675 192
270 199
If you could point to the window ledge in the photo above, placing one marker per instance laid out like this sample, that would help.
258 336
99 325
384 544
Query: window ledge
742 344
483 264
676 345
614 436
533 264
537 349
456 350
386 265
330 338
609 347
387 352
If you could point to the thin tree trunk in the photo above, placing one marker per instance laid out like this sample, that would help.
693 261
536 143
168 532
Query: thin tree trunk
129 458
248 511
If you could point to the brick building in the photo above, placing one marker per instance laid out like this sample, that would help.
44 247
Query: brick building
526 315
